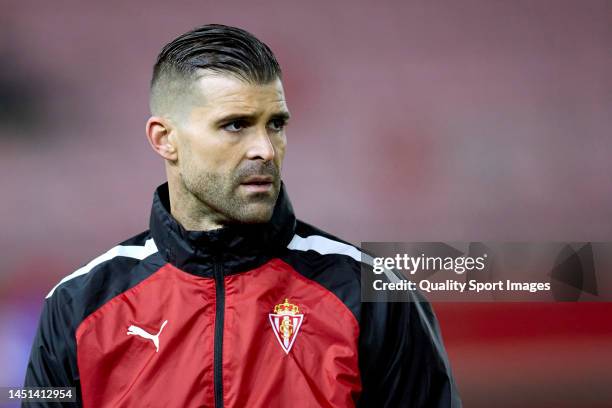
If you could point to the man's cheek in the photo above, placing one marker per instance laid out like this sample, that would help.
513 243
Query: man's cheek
279 156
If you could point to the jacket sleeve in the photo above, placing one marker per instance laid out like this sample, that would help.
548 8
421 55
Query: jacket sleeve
52 360
402 359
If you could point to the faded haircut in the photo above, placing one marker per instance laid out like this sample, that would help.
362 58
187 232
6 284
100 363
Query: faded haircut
213 47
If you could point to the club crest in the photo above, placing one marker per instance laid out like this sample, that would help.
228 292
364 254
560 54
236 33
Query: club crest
286 321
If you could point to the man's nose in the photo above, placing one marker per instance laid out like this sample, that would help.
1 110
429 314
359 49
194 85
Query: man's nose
261 147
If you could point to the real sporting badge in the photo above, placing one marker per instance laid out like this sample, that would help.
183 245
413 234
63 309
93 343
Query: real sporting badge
286 321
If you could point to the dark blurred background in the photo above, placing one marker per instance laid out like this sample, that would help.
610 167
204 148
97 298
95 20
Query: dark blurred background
412 121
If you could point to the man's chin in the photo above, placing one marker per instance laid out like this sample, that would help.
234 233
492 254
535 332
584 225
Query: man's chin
256 214
256 206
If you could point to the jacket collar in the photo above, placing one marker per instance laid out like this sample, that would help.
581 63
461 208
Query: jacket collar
235 248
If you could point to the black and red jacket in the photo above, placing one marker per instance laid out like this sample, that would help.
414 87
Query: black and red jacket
176 318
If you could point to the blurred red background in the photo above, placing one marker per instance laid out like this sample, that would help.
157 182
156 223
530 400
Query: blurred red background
412 121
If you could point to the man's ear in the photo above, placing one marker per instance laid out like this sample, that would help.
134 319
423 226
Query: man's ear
160 135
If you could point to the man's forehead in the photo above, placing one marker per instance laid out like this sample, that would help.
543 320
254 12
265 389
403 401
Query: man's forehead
225 91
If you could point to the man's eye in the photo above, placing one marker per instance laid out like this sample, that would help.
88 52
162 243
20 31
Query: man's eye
235 126
277 124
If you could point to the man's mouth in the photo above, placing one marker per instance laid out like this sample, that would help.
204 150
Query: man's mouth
258 184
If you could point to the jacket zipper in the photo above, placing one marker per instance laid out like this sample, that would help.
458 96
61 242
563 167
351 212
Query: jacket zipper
219 317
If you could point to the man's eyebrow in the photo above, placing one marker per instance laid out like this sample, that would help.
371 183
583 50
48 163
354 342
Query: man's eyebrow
284 115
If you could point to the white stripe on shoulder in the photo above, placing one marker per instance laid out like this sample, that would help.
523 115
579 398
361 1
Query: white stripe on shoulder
137 252
326 246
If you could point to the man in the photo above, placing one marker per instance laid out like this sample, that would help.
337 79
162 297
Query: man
228 300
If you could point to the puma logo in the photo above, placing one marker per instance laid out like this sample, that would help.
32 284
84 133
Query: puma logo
135 330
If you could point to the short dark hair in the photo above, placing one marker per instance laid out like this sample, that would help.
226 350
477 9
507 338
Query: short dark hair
218 48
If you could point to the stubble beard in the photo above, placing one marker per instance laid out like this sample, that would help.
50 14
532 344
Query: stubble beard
220 195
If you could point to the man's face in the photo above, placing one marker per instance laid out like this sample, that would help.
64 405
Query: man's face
231 143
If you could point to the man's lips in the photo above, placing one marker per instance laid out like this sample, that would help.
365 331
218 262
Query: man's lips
258 180
258 183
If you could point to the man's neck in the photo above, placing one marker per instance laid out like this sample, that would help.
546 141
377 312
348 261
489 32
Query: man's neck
190 212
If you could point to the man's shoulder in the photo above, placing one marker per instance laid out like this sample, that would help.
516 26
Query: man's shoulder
331 262
106 274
